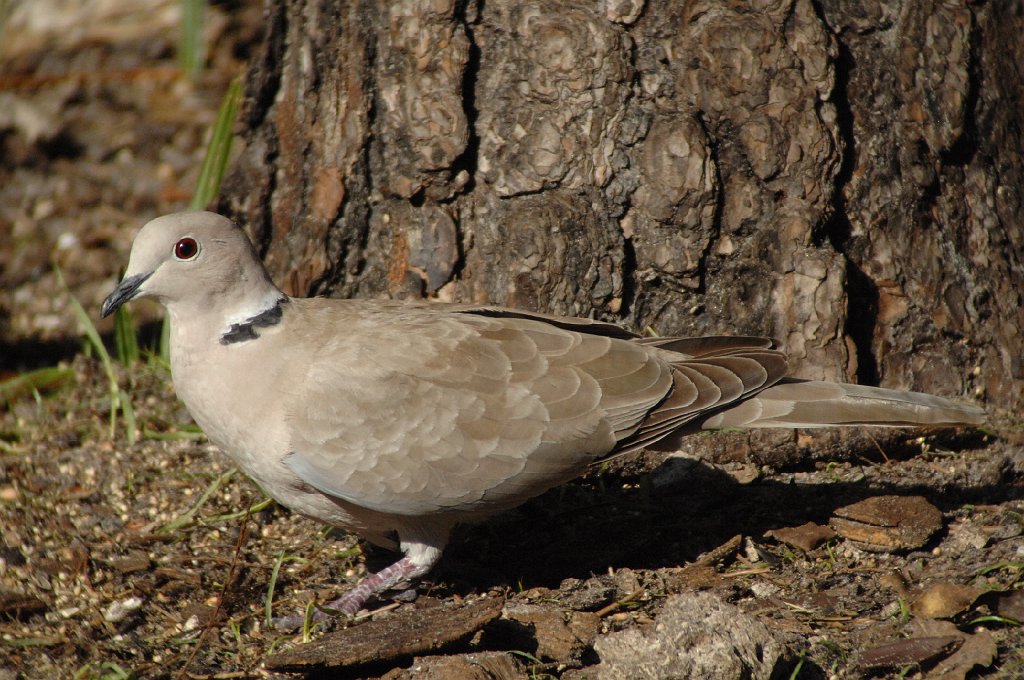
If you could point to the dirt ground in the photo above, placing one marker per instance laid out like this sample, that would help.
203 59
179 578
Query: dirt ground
122 559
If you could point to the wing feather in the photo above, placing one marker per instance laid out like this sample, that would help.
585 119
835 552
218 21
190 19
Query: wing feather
517 404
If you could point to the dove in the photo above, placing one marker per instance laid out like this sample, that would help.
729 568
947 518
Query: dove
397 420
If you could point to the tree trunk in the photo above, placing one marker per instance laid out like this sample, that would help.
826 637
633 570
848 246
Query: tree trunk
844 176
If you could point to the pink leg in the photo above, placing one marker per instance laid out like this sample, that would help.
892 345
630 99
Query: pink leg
352 601
385 579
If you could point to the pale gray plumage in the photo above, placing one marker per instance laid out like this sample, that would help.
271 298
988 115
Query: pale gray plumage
397 420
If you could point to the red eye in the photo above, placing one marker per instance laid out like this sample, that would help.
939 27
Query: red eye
186 248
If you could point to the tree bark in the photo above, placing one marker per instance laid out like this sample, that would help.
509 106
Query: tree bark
842 175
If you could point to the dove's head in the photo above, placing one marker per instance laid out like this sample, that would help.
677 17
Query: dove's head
193 260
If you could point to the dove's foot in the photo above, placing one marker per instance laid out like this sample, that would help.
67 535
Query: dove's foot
352 601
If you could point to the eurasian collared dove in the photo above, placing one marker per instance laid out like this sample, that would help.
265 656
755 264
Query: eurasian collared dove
398 420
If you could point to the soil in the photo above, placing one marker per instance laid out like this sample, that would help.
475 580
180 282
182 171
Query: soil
154 558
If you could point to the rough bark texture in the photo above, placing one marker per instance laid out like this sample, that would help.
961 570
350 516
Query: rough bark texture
842 175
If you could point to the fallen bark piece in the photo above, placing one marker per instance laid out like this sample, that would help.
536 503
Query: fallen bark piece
978 649
1009 604
888 523
696 635
553 637
916 650
943 599
401 635
807 536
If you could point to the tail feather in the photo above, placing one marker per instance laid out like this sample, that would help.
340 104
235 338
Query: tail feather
811 403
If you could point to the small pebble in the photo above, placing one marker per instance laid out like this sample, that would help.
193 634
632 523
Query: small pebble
118 611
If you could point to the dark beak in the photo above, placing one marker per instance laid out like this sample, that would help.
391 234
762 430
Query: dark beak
124 292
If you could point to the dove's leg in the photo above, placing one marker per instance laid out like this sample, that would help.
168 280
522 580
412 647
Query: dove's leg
418 560
384 580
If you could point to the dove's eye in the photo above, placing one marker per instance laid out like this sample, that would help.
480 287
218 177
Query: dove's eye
186 248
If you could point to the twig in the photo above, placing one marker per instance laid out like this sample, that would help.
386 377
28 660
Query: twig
243 535
747 572
879 447
604 611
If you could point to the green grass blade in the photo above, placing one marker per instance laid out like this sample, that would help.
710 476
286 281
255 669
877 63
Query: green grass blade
307 622
97 344
39 380
994 619
799 666
274 573
30 641
126 337
259 506
165 341
130 427
89 328
176 435
218 152
188 517
191 50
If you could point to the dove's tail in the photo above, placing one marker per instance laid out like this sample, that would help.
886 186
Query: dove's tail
811 403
